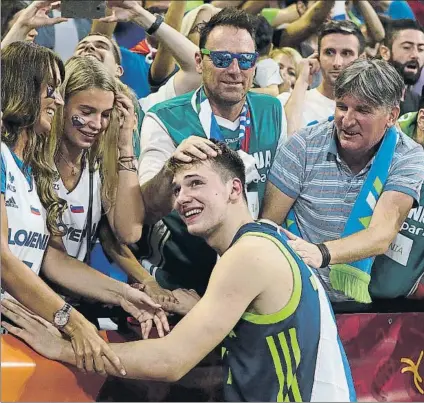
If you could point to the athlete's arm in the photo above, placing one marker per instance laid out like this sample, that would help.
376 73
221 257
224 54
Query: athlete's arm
126 260
238 278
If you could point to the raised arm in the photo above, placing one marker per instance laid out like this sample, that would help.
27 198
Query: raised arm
301 29
294 106
182 49
254 6
227 3
374 26
33 17
277 17
164 64
106 28
205 14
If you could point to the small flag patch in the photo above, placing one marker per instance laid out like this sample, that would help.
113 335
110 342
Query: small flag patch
35 211
77 209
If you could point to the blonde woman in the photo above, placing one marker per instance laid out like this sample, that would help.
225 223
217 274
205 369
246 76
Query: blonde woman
288 59
96 117
31 211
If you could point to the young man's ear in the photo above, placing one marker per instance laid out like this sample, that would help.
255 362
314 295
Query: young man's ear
385 53
236 189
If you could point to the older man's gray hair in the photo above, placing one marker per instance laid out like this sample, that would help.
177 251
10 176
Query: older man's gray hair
375 82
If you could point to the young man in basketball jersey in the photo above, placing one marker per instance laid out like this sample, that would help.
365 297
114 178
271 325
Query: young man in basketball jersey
280 340
222 108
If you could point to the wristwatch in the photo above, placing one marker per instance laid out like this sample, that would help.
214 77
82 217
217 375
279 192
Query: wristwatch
61 317
155 25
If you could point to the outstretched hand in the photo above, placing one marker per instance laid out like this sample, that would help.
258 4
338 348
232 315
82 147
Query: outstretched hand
187 299
41 335
36 15
139 305
122 11
307 251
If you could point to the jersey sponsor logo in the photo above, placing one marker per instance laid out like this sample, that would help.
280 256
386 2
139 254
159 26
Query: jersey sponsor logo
10 185
400 249
77 209
30 239
263 164
35 211
11 203
75 234
417 214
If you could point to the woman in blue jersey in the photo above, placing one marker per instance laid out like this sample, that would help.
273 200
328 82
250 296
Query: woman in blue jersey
31 210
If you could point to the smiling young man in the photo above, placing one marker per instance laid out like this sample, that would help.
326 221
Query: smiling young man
222 108
279 336
346 206
404 49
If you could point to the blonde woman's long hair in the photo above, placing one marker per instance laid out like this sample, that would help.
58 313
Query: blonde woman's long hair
84 73
25 68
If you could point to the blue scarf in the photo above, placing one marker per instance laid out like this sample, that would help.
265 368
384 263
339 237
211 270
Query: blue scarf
210 125
353 278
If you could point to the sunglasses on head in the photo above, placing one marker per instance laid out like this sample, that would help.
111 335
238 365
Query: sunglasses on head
223 59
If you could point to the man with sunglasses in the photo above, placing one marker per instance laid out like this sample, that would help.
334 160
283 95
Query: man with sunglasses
223 109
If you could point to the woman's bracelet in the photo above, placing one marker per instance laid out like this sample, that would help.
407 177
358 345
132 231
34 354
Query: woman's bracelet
125 158
123 167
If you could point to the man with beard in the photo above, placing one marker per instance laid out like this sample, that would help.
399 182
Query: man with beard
404 49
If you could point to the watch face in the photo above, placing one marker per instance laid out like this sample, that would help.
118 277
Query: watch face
61 318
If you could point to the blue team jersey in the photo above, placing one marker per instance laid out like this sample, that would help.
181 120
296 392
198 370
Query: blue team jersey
294 354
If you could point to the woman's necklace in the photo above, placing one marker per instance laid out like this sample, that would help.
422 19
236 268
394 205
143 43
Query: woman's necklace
74 169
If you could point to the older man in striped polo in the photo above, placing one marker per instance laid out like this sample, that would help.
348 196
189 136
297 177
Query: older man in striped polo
318 177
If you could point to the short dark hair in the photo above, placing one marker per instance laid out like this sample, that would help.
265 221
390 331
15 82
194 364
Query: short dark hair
341 27
228 163
115 47
9 8
264 35
393 27
230 17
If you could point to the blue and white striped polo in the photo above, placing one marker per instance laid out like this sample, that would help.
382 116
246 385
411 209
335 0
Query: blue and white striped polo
309 169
